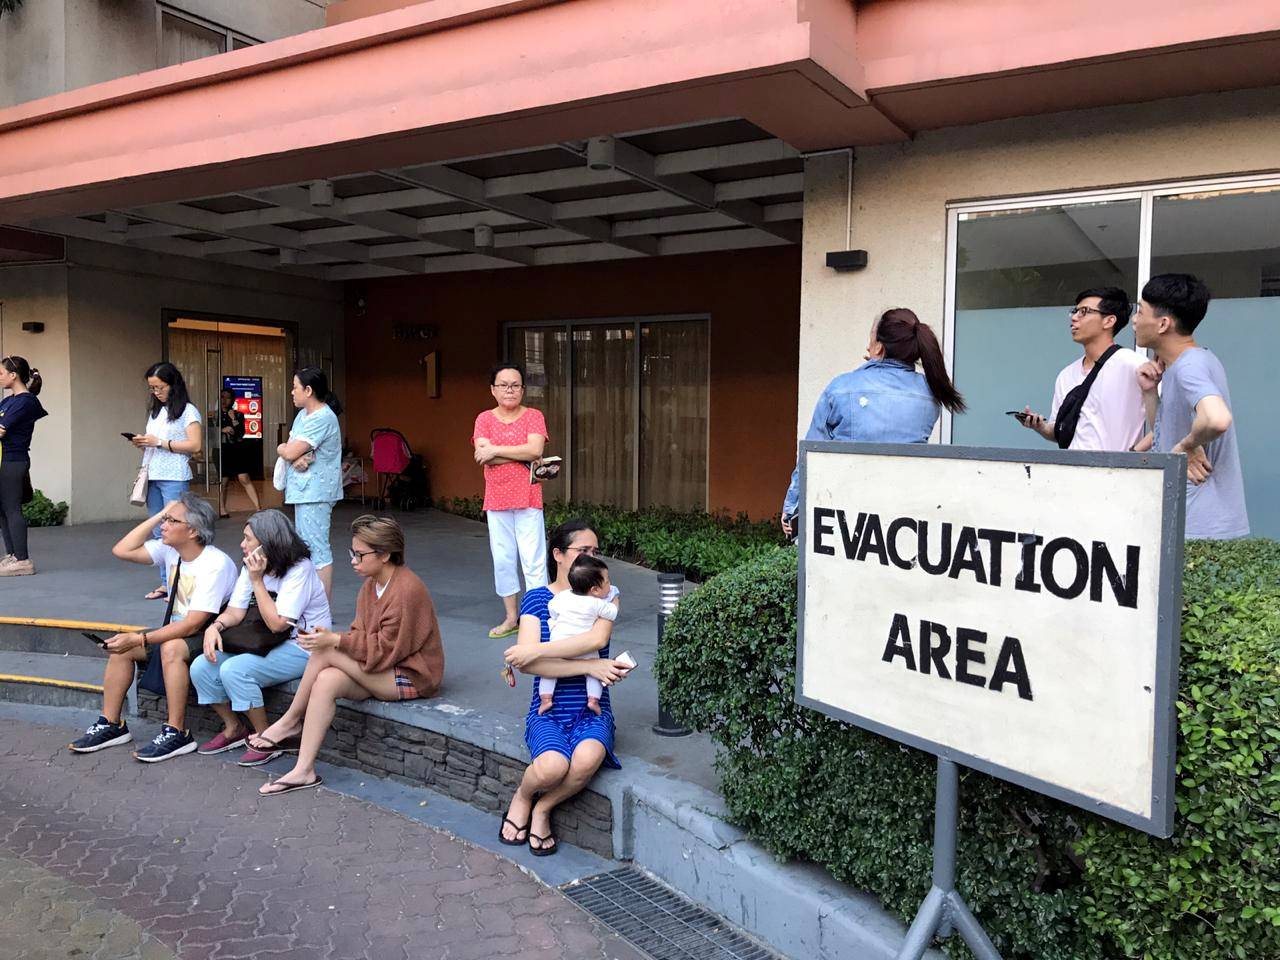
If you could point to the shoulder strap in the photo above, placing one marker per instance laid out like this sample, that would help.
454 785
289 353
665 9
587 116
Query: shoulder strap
1093 374
173 592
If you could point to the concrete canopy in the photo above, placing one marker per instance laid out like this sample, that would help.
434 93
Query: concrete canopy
403 94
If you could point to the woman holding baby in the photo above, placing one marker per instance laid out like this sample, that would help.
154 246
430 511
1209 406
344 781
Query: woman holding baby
567 742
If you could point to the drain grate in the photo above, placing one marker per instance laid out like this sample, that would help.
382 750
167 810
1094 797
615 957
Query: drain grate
660 921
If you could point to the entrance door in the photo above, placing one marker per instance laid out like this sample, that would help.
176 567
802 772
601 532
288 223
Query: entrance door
217 355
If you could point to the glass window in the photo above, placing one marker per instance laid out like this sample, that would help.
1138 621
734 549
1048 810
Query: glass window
1017 274
182 40
627 406
1229 239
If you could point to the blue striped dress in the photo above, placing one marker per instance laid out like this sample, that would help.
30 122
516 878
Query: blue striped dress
568 722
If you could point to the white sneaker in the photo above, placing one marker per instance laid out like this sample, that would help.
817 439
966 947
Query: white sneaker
18 568
7 559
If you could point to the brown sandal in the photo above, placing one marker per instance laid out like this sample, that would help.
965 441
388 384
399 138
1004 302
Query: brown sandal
287 745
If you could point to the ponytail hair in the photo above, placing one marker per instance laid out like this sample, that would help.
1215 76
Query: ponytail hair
315 378
907 340
28 374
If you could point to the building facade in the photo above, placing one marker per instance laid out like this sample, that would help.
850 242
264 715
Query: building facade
636 201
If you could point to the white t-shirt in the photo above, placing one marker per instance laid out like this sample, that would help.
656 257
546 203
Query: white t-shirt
204 584
300 595
1113 416
161 464
570 614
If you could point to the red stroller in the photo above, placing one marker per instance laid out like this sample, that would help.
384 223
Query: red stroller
391 455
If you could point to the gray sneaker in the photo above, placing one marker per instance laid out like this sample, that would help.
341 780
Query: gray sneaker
17 568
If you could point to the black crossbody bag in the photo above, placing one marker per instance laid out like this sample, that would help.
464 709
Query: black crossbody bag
1064 424
252 635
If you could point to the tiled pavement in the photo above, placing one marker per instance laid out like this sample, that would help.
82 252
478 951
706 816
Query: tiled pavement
108 857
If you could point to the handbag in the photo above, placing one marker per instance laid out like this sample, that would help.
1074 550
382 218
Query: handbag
252 635
138 495
1068 417
153 673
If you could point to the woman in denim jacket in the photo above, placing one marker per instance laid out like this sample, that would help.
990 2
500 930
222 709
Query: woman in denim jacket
885 400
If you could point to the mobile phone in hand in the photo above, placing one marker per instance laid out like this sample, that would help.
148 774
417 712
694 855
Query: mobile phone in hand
100 641
1019 415
128 436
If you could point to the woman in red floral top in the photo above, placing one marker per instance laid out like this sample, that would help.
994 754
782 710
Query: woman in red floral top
506 439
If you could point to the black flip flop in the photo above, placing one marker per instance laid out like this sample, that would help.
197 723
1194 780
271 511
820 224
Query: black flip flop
290 787
519 830
284 746
542 850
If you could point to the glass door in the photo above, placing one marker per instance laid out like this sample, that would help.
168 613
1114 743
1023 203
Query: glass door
604 414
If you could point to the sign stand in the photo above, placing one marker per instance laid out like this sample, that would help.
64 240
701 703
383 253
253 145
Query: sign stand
944 911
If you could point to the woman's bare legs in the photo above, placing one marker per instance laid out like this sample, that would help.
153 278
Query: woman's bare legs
290 722
337 677
250 491
545 773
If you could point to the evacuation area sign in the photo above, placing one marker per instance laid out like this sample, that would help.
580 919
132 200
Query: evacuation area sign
1014 611
247 396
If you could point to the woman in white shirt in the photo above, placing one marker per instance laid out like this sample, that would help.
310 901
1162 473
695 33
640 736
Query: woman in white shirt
279 577
171 438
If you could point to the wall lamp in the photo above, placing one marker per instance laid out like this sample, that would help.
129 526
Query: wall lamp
846 261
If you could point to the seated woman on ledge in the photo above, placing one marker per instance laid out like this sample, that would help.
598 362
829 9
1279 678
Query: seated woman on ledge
393 651
568 743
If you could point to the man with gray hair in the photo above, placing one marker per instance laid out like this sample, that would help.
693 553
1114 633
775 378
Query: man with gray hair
200 578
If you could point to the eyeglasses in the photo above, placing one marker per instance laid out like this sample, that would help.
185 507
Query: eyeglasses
168 519
509 387
589 551
158 390
358 555
1085 311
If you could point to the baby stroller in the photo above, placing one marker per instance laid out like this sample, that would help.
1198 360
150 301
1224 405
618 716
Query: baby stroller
402 474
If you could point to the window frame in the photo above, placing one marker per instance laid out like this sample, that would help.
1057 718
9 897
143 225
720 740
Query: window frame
229 35
1145 194
637 323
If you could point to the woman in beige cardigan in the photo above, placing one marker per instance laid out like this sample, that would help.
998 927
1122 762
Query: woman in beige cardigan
392 651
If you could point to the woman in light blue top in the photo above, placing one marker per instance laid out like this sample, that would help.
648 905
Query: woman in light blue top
313 482
885 400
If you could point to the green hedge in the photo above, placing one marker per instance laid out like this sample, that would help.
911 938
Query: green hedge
692 542
43 512
1048 881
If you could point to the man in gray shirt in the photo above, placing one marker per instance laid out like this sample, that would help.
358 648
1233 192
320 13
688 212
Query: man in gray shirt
1194 413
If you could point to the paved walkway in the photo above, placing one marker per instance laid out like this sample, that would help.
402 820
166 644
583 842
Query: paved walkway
104 857
79 580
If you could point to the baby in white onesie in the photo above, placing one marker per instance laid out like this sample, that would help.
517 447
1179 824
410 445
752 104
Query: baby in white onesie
575 611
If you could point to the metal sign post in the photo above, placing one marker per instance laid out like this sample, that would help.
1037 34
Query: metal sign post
944 911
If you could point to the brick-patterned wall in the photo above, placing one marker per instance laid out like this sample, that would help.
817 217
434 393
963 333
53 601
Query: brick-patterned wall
464 771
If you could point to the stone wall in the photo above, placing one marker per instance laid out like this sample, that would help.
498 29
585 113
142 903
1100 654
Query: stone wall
409 754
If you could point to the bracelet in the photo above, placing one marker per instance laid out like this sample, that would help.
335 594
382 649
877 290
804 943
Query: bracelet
217 625
143 634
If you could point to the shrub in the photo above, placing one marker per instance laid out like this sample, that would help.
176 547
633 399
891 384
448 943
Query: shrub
1048 881
692 542
43 512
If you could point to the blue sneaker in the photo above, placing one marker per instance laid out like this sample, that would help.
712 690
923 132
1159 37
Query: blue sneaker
101 735
169 742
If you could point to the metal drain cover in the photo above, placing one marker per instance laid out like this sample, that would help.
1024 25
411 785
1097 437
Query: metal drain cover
660 921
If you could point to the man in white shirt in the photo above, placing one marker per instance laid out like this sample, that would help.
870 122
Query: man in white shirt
1113 415
200 579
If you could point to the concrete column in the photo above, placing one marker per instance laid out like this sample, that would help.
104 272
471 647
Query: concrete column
834 324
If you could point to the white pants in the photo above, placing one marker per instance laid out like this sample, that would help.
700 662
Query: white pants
517 540
547 685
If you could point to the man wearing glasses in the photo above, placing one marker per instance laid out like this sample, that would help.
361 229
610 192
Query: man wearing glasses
200 578
1110 409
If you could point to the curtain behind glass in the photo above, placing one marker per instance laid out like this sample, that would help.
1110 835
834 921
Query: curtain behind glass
544 354
181 40
674 399
604 414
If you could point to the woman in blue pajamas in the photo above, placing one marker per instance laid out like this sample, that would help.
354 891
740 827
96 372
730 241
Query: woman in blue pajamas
569 743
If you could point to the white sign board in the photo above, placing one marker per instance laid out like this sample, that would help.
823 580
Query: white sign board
1015 611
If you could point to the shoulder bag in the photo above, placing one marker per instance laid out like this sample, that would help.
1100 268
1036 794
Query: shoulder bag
153 672
1064 424
252 635
138 495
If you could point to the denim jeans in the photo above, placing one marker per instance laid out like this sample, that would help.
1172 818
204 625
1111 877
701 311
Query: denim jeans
160 492
240 678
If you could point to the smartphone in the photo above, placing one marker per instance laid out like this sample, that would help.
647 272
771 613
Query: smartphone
100 641
1019 415
128 436
255 552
